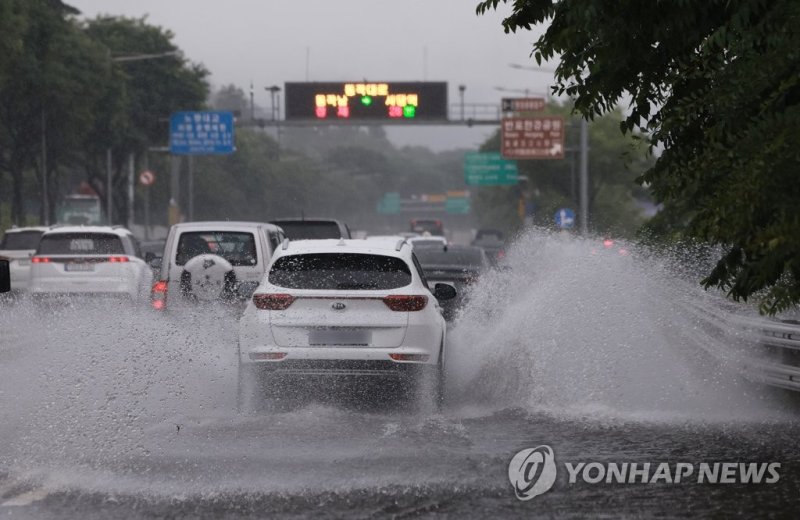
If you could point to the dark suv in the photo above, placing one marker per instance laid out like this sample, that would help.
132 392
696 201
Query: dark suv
312 229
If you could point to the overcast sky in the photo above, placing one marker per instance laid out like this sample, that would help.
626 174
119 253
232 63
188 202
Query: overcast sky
271 42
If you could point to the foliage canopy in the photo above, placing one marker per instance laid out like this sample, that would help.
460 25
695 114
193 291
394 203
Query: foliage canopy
714 84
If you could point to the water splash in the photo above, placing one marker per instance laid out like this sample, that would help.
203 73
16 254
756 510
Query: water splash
578 328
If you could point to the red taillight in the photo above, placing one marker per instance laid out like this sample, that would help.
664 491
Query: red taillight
158 295
608 243
405 303
267 356
421 358
272 302
500 254
118 259
40 260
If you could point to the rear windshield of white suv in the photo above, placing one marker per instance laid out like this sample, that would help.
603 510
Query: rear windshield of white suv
80 244
238 248
21 240
340 271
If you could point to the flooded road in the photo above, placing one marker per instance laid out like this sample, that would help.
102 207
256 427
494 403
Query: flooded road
109 411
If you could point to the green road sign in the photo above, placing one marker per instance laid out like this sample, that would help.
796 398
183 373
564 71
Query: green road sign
457 205
390 203
489 169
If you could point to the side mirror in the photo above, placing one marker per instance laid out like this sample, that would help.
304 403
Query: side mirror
5 276
149 256
444 291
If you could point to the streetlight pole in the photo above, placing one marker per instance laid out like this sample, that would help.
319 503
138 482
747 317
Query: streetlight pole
584 175
461 89
45 195
131 158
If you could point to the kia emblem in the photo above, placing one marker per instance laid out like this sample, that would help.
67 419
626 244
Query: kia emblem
338 306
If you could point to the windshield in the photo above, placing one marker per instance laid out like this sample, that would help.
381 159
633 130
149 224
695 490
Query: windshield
80 244
340 271
21 240
238 248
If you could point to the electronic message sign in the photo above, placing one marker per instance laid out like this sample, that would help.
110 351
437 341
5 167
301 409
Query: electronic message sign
364 100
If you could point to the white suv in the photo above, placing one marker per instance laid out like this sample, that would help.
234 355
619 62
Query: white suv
18 245
211 262
89 261
342 308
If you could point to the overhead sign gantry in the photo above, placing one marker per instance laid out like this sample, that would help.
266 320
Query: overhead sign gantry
368 101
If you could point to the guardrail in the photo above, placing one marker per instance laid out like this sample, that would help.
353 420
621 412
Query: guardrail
766 350
777 363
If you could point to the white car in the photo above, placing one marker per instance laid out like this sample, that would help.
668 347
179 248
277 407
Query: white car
212 262
342 308
18 245
89 261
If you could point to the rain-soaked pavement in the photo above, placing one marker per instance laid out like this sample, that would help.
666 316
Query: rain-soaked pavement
112 412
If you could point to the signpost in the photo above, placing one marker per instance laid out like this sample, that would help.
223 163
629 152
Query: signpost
523 104
147 178
565 218
389 204
407 101
457 204
532 138
201 133
489 169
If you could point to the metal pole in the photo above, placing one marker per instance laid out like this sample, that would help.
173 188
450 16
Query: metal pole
584 176
461 89
191 188
45 195
131 177
108 186
174 189
252 104
146 199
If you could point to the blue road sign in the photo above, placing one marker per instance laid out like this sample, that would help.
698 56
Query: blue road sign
201 133
565 218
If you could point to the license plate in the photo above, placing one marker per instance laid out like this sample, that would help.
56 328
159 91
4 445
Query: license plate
81 268
339 337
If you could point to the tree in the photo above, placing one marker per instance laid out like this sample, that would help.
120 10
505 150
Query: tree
714 84
47 73
138 101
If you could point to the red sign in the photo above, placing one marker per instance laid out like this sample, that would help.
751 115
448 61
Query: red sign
147 178
532 138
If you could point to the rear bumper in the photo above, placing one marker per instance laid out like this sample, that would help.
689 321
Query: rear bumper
345 361
82 286
293 368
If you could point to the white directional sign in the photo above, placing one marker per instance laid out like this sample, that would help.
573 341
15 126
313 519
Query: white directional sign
532 138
